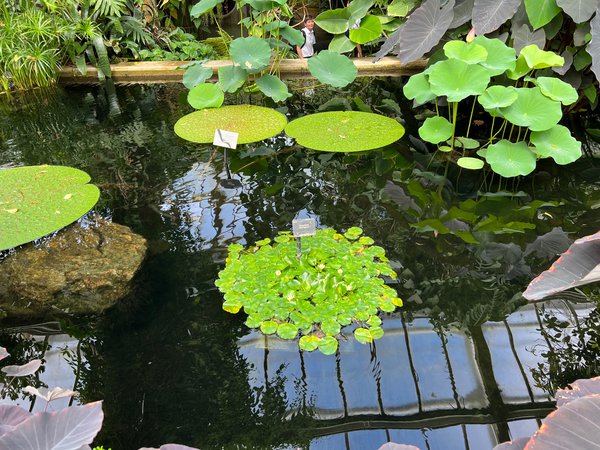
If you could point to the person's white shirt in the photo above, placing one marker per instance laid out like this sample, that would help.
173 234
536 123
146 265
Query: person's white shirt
308 48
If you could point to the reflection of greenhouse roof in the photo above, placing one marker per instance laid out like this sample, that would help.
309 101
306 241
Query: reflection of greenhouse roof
417 385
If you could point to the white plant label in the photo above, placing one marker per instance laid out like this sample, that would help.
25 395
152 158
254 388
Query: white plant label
224 138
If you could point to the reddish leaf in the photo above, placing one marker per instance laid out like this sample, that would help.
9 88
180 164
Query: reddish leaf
579 388
22 371
11 416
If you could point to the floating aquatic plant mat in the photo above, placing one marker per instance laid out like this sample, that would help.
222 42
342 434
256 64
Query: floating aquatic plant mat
38 200
344 131
253 123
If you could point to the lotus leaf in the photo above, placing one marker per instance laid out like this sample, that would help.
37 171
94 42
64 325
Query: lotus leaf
500 57
334 21
541 12
471 53
556 143
341 44
557 90
231 78
418 88
195 75
206 95
251 53
344 131
465 142
498 97
369 30
510 159
521 68
273 87
332 68
533 109
467 162
38 200
436 129
457 80
253 123
540 59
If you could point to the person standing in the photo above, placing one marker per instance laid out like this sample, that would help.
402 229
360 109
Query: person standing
307 50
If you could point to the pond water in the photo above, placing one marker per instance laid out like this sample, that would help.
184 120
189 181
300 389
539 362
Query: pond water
460 366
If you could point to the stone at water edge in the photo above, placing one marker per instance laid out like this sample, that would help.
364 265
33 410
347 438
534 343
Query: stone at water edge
79 271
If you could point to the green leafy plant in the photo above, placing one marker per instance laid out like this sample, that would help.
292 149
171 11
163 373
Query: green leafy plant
524 117
335 282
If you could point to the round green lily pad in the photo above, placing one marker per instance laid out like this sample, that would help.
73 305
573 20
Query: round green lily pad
253 123
38 200
344 131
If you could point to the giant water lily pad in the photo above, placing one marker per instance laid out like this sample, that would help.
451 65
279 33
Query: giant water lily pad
38 200
253 123
344 131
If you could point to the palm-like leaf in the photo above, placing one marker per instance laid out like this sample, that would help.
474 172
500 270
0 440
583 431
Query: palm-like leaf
109 7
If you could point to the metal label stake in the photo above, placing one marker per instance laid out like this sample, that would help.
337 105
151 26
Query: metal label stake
301 228
227 140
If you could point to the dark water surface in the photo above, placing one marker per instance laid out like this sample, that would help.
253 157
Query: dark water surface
454 369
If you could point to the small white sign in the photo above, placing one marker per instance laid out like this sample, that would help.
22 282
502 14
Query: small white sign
304 227
227 139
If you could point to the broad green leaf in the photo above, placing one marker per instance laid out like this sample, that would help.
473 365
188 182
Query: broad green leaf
334 21
363 335
287 330
471 53
332 68
465 142
269 327
341 44
500 57
557 90
533 109
374 321
252 322
309 343
418 88
273 87
344 131
540 59
556 143
358 9
330 327
232 306
203 6
369 30
579 10
401 8
250 53
196 75
458 80
232 78
292 35
376 332
467 162
581 60
253 123
488 15
540 12
521 69
392 26
498 97
435 130
206 95
263 5
328 345
38 200
510 159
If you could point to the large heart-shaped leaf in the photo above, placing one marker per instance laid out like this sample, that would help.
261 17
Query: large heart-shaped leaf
418 88
203 6
557 90
69 428
510 159
253 123
38 200
369 30
332 68
344 131
488 15
251 53
549 245
195 75
11 416
334 21
273 87
540 12
593 48
556 143
341 44
206 95
533 109
577 389
358 9
292 35
579 10
436 129
500 57
457 80
524 36
231 78
24 370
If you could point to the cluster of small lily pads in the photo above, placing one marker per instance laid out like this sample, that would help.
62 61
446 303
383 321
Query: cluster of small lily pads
336 281
525 109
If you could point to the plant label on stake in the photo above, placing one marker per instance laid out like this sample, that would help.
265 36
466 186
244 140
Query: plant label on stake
227 139
301 228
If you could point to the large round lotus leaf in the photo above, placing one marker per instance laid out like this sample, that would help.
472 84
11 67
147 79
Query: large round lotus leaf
273 87
540 59
510 159
251 53
341 44
369 30
556 143
332 68
500 56
471 53
344 131
206 95
231 78
418 88
457 80
435 130
533 109
195 75
38 200
557 90
253 123
334 21
498 97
